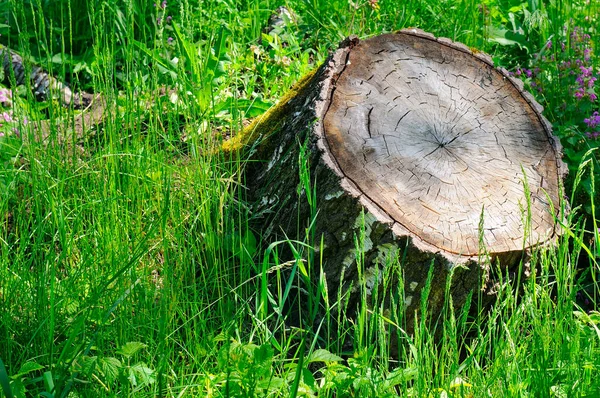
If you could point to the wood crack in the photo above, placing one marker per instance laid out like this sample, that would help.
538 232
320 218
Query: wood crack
399 120
369 122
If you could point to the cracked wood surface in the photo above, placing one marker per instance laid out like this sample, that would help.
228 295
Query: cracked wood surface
434 135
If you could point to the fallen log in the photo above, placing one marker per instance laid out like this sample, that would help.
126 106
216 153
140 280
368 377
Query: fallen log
45 86
422 147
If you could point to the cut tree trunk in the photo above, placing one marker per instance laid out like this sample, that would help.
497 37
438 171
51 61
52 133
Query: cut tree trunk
422 148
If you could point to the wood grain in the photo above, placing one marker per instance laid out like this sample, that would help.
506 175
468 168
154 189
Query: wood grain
435 136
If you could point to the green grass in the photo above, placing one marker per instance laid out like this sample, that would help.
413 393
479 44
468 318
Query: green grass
127 263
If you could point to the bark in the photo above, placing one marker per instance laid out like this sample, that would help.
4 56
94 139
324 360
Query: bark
422 148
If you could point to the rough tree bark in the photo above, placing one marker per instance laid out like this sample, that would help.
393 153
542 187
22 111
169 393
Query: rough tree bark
424 148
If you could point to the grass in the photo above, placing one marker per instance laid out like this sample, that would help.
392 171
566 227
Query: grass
127 263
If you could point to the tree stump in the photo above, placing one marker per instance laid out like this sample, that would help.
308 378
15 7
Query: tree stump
424 148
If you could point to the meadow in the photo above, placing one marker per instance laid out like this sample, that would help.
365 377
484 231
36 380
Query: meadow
129 265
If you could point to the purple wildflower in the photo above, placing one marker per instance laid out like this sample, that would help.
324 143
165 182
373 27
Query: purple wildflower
5 95
574 34
586 72
592 123
593 120
7 116
170 40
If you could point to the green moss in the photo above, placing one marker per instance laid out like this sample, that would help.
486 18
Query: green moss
269 122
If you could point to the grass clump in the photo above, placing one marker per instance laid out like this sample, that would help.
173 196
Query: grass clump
127 265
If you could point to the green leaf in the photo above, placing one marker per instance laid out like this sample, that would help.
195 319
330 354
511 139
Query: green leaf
4 382
57 58
586 319
255 107
110 368
86 364
26 368
516 8
251 107
267 38
131 377
263 354
163 65
18 389
218 61
142 374
322 355
594 317
272 384
130 349
81 66
190 53
48 382
506 37
308 378
398 376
